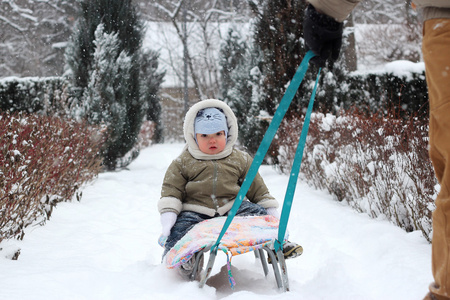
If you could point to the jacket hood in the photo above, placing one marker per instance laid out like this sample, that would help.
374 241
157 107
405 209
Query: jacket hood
189 135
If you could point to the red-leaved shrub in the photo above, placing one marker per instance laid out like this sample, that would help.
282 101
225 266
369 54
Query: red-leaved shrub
378 165
43 160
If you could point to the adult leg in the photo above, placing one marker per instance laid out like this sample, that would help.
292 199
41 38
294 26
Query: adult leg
436 49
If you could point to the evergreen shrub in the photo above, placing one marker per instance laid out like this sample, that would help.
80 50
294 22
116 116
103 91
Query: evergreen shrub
374 92
103 58
43 95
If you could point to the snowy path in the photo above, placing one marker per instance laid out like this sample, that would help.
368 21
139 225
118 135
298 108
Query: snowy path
105 247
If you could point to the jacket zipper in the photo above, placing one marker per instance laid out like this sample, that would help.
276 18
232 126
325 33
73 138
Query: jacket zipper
214 190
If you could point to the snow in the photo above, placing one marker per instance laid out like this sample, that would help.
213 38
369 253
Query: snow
105 247
399 68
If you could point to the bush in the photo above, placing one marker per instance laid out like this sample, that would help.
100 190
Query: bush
144 140
46 96
43 161
378 165
379 92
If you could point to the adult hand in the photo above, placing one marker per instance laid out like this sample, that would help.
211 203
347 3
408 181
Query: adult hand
323 36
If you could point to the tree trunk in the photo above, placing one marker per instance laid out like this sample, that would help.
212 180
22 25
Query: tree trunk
349 57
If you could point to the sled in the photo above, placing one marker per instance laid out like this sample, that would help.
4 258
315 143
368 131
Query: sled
271 243
277 244
245 234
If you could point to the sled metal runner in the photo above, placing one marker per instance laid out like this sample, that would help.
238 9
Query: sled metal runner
277 260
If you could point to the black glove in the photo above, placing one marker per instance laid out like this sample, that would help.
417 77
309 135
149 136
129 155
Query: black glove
323 35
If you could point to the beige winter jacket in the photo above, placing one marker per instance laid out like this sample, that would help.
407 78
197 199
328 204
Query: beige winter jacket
208 184
340 9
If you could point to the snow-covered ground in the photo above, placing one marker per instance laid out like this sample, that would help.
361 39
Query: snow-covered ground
105 247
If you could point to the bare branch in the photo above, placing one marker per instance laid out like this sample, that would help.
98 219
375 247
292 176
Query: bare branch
12 24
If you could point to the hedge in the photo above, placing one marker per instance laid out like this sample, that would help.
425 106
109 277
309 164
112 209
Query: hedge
405 93
43 95
376 92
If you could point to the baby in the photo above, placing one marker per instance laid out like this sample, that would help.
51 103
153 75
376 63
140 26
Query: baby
203 182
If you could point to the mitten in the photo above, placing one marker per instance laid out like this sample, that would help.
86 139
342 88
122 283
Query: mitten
323 36
273 212
168 219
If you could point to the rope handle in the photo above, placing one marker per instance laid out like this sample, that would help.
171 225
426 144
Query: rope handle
295 170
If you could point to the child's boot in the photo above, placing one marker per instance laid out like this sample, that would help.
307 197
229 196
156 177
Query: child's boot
290 250
187 269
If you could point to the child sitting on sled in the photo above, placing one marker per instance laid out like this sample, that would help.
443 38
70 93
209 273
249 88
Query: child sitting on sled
204 180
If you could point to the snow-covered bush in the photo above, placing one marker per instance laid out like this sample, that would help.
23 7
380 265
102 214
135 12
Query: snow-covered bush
43 95
144 140
43 161
378 165
400 86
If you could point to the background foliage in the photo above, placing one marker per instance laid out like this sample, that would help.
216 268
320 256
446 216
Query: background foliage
104 64
371 152
43 161
377 164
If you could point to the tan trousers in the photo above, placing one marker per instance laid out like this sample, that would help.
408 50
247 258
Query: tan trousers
436 54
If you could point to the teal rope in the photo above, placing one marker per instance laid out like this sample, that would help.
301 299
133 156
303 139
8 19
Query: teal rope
265 143
287 204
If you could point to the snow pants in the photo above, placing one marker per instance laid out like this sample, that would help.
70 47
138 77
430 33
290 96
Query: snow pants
188 219
436 54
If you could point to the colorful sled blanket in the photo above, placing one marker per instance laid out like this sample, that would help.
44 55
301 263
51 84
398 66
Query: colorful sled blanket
243 235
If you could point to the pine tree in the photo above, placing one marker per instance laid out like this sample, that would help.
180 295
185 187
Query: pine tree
119 18
279 33
258 81
151 80
232 53
103 100
242 83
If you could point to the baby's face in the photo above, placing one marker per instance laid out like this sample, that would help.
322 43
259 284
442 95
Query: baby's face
212 143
